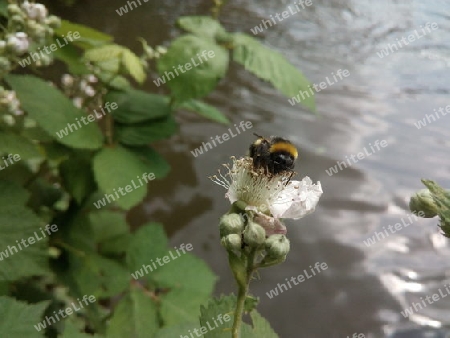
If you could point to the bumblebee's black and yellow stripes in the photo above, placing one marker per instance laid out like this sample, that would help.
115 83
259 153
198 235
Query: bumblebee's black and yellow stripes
274 155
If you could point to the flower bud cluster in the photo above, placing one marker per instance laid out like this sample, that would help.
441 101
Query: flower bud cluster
80 89
241 231
29 28
9 105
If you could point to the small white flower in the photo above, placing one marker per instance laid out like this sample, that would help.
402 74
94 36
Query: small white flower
91 78
77 102
67 80
89 91
19 42
36 12
270 194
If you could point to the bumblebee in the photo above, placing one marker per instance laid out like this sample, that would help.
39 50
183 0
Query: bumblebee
274 155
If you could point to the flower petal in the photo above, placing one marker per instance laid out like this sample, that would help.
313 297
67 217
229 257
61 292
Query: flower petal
298 199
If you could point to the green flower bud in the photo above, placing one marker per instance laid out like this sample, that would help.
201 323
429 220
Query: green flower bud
17 20
38 31
53 21
231 224
5 65
14 9
232 242
254 234
277 246
422 204
2 46
45 60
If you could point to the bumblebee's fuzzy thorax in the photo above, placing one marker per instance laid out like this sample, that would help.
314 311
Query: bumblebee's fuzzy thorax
275 156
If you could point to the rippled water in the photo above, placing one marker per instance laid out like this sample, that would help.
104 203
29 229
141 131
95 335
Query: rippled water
365 288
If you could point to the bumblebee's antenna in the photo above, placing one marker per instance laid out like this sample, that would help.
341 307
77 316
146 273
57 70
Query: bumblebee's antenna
258 135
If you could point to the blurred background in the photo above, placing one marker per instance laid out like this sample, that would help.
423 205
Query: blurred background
364 288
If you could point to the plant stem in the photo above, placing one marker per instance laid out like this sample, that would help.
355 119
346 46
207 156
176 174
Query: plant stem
242 294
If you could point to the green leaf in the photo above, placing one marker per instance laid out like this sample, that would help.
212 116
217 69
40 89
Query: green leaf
179 330
4 8
117 170
88 36
154 161
135 316
18 319
135 106
219 313
12 193
261 328
191 283
11 143
110 57
140 252
147 132
53 112
77 177
107 224
104 53
71 331
71 56
133 65
205 110
204 73
20 260
96 275
204 26
271 66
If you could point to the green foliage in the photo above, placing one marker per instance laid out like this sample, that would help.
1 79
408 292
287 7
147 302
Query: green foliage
270 66
225 305
53 111
110 176
64 171
206 70
17 319
136 315
205 110
135 106
202 26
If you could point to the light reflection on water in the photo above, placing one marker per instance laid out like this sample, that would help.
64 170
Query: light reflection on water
365 288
